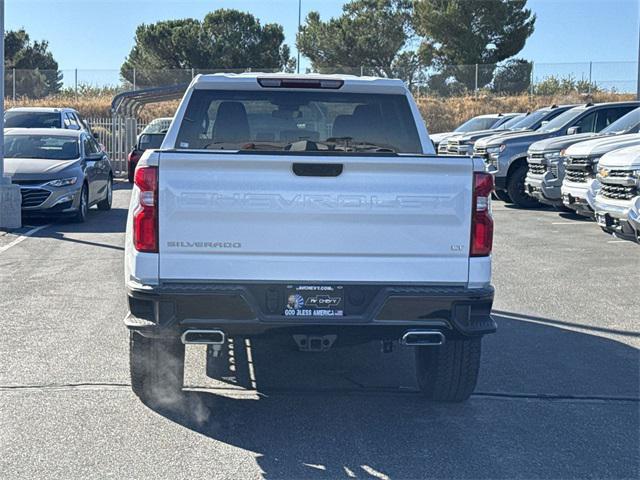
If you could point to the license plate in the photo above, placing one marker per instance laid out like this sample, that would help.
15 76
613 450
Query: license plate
314 301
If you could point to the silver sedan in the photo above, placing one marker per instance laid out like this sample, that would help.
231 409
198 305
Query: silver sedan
60 172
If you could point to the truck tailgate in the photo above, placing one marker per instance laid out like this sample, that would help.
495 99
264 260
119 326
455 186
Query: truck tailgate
249 217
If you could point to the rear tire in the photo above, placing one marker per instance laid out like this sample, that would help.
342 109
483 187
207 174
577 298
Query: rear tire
515 188
156 366
130 174
449 372
105 204
503 195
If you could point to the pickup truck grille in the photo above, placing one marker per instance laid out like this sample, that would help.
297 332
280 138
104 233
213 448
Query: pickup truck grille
619 192
619 174
579 169
578 161
579 176
480 151
33 197
442 147
537 168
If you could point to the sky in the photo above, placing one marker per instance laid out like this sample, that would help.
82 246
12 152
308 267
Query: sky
98 34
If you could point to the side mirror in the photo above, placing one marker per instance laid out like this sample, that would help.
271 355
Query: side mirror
573 130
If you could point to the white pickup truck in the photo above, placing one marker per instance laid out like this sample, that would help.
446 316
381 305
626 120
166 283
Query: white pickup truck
617 193
314 208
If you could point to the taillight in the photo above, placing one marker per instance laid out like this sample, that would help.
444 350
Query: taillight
145 216
481 220
133 156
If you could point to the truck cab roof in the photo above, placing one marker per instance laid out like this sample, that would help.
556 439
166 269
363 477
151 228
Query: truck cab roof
258 81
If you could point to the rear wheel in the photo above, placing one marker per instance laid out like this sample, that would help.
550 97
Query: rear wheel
156 366
449 372
106 203
515 188
503 195
130 174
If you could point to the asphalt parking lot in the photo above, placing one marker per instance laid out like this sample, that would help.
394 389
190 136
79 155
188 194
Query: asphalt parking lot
558 395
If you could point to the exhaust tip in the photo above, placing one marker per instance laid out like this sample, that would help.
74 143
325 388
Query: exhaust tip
203 337
423 338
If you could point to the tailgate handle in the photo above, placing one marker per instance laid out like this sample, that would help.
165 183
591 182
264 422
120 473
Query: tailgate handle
317 169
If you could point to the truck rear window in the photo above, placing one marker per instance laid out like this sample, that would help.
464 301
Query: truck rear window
288 120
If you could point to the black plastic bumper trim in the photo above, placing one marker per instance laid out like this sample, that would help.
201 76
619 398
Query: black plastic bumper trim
248 308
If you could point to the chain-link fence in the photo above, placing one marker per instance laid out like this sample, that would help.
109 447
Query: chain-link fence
515 77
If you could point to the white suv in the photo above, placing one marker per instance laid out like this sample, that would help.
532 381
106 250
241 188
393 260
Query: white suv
45 117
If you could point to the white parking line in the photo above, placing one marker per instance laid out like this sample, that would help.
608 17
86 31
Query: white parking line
23 237
572 223
618 241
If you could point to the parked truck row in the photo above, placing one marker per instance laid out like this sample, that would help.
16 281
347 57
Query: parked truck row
579 158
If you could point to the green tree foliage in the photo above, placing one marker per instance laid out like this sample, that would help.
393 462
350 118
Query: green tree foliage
553 85
443 85
513 77
462 33
224 40
36 71
373 34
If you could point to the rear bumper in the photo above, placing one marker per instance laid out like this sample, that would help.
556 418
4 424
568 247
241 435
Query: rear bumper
371 312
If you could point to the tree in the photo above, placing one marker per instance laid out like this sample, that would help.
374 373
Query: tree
462 33
513 77
568 85
36 71
372 34
166 51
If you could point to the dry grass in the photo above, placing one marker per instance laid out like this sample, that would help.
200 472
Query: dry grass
444 114
440 114
93 107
